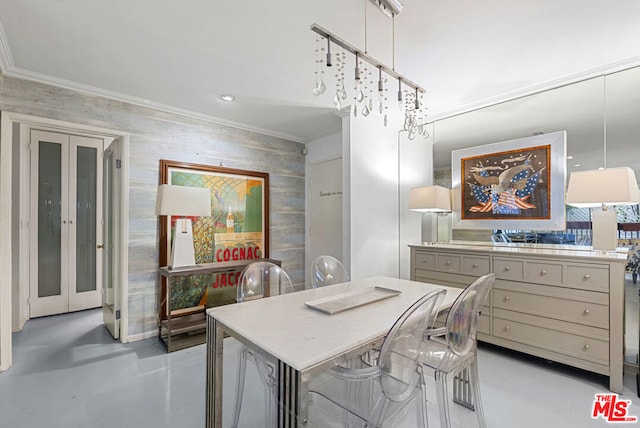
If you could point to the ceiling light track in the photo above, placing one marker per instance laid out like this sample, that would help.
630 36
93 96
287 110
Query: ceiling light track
415 112
360 54
389 7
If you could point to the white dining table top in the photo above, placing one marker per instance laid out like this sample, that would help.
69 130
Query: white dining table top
303 337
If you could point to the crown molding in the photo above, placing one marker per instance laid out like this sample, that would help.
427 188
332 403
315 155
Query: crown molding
6 61
539 88
19 73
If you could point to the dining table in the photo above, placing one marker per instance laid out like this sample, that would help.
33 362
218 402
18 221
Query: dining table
307 332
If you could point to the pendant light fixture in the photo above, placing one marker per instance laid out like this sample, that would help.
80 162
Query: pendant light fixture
409 100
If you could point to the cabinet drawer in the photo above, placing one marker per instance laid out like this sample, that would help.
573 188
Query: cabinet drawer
448 263
508 268
484 323
576 346
425 260
476 266
552 307
587 277
543 272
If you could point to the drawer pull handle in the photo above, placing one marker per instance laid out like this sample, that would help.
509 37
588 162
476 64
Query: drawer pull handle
475 265
587 276
507 298
447 263
507 328
507 268
543 272
586 347
586 312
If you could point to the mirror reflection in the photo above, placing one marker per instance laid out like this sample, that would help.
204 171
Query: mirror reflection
600 118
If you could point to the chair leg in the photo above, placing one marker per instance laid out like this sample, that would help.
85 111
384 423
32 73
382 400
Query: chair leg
443 399
267 374
424 415
634 276
242 370
477 398
422 420
381 415
270 403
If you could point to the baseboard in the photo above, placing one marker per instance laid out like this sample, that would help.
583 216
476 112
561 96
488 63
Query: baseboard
631 368
142 336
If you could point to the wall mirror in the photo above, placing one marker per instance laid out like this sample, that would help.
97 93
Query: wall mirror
600 116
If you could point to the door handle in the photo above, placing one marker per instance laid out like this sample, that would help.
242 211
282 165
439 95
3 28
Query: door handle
99 246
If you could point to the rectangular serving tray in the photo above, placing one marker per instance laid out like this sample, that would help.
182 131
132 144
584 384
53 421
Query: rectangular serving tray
351 299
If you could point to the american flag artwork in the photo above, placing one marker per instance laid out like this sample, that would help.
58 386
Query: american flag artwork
503 185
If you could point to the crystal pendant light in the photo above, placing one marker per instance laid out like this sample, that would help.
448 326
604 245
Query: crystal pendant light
410 101
320 86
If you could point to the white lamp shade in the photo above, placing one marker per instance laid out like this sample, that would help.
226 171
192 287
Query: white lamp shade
610 186
435 199
183 201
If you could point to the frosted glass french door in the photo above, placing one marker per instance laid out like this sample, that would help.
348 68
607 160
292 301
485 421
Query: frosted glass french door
65 225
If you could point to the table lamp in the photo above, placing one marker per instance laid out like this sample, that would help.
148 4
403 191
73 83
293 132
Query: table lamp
601 188
183 201
433 199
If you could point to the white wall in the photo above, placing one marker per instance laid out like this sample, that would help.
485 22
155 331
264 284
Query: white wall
319 150
156 135
382 164
416 170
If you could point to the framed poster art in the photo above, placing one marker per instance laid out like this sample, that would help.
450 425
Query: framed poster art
516 184
238 229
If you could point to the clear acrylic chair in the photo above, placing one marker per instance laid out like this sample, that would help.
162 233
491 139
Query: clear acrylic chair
386 391
452 350
500 237
327 270
259 280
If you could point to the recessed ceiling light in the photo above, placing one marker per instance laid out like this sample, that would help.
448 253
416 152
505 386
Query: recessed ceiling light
227 97
569 157
577 165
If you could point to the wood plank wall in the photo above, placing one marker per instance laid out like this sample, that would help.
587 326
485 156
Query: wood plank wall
156 135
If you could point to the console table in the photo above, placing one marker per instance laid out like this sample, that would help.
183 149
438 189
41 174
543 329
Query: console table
185 327
560 303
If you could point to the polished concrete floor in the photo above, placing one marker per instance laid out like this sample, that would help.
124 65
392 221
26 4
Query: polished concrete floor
69 372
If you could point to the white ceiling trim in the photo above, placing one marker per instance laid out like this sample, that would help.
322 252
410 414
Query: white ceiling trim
7 67
92 90
6 61
541 87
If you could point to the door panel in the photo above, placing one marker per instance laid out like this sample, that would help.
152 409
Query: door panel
110 298
66 200
49 225
49 157
85 225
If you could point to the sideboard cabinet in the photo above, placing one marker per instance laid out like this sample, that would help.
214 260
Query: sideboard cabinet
563 304
185 326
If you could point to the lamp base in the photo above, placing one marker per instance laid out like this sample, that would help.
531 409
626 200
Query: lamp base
605 230
436 228
443 221
182 253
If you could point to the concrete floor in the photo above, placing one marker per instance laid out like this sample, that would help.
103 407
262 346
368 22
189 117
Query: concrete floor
69 372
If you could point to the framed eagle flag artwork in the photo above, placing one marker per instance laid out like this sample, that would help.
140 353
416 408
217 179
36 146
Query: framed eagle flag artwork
516 184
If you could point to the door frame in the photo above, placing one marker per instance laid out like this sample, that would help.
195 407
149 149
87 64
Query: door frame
13 127
69 300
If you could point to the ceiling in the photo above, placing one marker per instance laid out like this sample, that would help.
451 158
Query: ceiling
181 56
